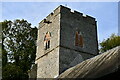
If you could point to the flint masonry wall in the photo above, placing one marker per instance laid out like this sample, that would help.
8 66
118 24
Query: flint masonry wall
63 53
70 22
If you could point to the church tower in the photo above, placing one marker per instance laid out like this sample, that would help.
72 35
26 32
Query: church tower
65 38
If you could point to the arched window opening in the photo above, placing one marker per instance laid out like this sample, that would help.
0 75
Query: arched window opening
47 40
78 39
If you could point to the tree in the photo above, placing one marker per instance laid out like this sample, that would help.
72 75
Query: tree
19 43
110 43
5 29
13 72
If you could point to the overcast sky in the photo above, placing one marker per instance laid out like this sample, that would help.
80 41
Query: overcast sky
106 13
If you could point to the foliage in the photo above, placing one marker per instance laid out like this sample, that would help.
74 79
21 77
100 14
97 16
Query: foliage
12 72
110 43
18 45
4 35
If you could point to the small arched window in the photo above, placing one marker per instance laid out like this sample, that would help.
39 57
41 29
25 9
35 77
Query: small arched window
47 40
78 39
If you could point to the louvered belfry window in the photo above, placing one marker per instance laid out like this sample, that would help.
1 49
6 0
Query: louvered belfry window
78 39
47 40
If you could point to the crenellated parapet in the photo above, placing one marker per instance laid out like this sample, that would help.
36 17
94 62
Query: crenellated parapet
69 14
77 15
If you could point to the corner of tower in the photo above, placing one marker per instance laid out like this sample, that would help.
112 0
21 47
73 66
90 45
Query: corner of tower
51 16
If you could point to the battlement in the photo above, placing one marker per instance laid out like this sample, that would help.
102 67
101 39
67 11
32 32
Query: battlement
66 9
69 13
73 13
50 16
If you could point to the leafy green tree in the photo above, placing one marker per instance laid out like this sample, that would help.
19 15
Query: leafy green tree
19 44
5 35
110 43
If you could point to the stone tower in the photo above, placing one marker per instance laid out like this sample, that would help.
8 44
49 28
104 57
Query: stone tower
65 39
